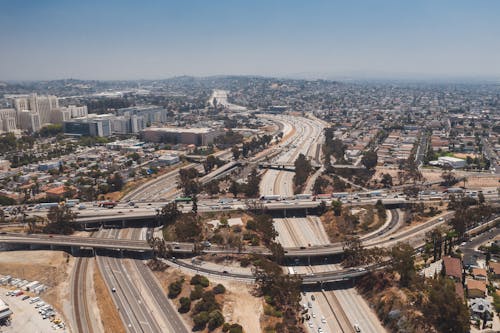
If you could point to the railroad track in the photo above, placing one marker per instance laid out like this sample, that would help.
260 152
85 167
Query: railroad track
81 313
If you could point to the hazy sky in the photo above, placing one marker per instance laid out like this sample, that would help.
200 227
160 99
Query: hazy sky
51 39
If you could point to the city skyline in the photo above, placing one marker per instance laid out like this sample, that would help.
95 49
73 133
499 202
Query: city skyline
128 40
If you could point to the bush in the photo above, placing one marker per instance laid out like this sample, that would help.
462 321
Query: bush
207 303
251 225
196 293
219 289
185 305
215 320
200 280
236 328
226 327
200 321
174 289
244 262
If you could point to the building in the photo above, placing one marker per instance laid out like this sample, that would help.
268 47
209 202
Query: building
8 120
149 114
174 135
475 288
168 159
455 163
57 193
481 307
495 269
29 121
5 311
42 105
479 273
92 126
452 268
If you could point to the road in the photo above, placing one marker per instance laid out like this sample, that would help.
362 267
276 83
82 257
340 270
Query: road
82 321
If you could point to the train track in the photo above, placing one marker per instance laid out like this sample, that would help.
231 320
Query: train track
81 313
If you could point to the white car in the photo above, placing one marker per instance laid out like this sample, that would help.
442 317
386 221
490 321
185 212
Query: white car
323 320
310 324
313 315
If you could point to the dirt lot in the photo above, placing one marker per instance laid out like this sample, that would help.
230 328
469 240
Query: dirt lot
52 268
239 306
110 318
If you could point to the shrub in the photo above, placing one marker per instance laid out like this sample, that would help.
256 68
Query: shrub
196 293
200 321
174 289
236 328
185 305
200 280
219 289
244 262
215 320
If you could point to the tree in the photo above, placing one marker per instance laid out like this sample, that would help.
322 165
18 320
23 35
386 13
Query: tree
444 309
175 288
61 220
219 289
402 262
386 180
354 252
236 152
337 207
169 213
215 319
234 188
185 305
303 169
200 321
188 182
369 159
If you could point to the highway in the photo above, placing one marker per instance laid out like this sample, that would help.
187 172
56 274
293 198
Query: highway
82 320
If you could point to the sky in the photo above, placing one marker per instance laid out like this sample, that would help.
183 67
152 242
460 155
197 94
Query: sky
123 39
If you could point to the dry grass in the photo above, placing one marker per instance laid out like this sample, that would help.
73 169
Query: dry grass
110 318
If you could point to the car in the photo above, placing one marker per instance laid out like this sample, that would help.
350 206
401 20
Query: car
310 324
323 320
113 289
225 272
440 219
25 297
320 330
313 298
313 314
356 328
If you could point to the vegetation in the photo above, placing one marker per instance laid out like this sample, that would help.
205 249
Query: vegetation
369 159
199 280
185 305
61 220
303 169
175 288
281 291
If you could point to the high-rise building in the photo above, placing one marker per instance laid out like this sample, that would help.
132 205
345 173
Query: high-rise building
29 121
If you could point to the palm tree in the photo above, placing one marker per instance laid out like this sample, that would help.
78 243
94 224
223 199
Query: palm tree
464 179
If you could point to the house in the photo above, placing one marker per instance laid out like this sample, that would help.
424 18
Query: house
57 193
495 269
475 288
479 273
481 308
452 268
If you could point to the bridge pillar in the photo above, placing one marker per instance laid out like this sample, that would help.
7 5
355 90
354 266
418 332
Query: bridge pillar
74 251
52 247
123 223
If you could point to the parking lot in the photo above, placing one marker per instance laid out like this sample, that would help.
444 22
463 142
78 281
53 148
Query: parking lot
25 316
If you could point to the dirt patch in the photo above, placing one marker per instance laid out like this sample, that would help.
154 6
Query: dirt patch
238 304
51 268
110 318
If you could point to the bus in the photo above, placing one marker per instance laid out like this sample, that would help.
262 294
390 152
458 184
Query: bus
303 196
340 195
291 271
183 199
326 196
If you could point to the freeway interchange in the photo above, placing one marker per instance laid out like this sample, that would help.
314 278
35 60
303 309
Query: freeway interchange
301 136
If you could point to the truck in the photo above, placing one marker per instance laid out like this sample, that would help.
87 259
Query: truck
291 271
271 197
303 196
107 204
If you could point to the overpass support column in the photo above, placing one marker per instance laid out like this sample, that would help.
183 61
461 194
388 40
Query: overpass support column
123 223
306 212
309 260
74 251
